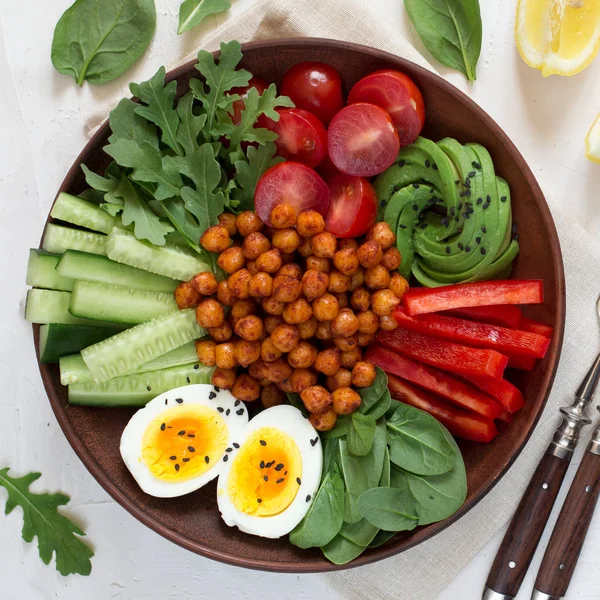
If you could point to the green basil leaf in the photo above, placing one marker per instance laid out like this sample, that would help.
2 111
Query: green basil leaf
451 30
98 40
389 508
373 393
193 12
361 533
418 442
361 434
341 550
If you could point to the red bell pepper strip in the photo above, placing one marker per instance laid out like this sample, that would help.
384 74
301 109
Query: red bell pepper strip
460 423
536 327
523 363
503 315
444 354
510 342
503 391
513 291
506 417
434 380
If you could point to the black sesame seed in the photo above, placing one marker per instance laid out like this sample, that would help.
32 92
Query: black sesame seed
467 249
259 500
314 442
461 247
212 395
468 182
220 409
476 165
416 186
483 229
427 164
462 194
191 449
149 388
266 478
228 449
226 458
482 250
179 400
478 240
435 167
216 388
270 464
236 445
196 367
285 473
448 250
227 412
262 464
503 199
298 481
279 467
166 401
163 427
172 457
479 200
308 498
185 460
239 411
466 214
488 199
191 435
401 163
459 207
402 226
237 403
206 459
468 193
472 174
456 182
188 380
177 467
181 433
263 443
281 480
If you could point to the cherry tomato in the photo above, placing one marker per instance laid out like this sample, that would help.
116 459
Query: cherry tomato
238 105
302 137
292 183
399 96
316 87
327 169
362 140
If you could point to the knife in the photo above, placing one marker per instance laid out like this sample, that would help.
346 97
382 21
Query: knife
525 530
564 547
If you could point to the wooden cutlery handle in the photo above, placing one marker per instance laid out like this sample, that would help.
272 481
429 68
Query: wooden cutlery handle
526 528
571 528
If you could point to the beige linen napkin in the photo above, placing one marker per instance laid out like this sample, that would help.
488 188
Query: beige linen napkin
423 572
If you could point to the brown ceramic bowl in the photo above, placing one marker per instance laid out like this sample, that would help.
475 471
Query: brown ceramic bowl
193 521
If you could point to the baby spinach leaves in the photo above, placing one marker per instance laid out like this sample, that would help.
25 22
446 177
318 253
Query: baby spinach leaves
193 12
361 434
98 40
389 508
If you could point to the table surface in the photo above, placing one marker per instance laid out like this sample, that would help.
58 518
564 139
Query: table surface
42 117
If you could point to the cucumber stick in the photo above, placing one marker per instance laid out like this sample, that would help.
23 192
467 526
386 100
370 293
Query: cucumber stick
42 273
83 213
93 267
125 352
172 261
58 239
74 370
118 304
59 340
138 389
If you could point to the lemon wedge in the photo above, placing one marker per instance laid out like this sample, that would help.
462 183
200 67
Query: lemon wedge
592 142
558 37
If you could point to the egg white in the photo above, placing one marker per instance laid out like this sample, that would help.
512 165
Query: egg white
292 423
234 414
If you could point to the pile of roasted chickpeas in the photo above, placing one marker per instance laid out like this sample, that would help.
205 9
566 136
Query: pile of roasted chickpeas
297 309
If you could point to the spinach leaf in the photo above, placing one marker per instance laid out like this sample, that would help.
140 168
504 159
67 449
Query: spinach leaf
451 30
360 533
361 434
324 518
331 454
193 12
341 550
389 508
381 538
418 443
296 401
342 427
380 407
384 481
373 393
127 124
97 40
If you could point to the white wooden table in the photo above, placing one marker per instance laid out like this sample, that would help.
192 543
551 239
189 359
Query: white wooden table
42 116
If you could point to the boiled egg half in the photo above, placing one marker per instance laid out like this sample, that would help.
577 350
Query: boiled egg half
176 444
272 474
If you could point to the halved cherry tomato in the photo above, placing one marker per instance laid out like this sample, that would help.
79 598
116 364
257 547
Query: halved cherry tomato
353 207
315 87
302 136
291 183
399 96
327 170
238 105
362 140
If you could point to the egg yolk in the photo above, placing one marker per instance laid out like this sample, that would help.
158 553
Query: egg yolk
184 442
266 473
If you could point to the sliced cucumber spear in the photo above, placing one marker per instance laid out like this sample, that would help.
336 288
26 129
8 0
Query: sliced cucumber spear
58 239
59 340
83 213
42 273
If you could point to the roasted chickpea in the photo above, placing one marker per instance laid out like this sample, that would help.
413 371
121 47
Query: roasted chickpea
231 260
341 378
328 361
326 307
342 299
324 245
302 356
338 282
366 339
384 302
361 299
377 278
348 243
271 396
246 388
282 216
223 378
324 331
286 288
308 328
224 295
291 270
252 268
382 234
300 379
310 223
351 357
228 221
248 222
363 374
286 386
268 351
346 261
247 352
242 308
222 333
297 312
260 285
249 328
315 263
210 313
314 284
285 337
368 322
357 280
387 323
205 349
254 245
272 306
257 369
369 254
398 285
287 240
205 283
265 382
346 343
269 262
186 296
345 324
225 355
239 283
277 371
215 239
325 421
316 399
271 322
346 401
392 259
305 247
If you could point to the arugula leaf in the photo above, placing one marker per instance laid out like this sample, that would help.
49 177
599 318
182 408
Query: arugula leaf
103 184
127 124
190 125
55 532
193 12
158 106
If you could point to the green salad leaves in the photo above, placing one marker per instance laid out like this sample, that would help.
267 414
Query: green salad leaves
193 12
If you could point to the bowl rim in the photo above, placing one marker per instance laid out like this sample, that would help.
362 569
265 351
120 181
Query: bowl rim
420 535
